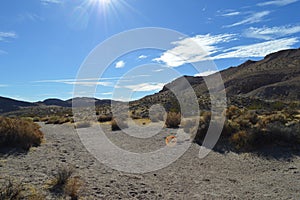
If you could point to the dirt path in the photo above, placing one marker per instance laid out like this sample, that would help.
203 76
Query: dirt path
217 176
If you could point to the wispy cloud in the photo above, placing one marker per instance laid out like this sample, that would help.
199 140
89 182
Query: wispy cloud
253 18
83 82
89 83
229 14
3 85
142 56
143 87
120 64
47 2
258 49
267 33
193 49
206 73
75 80
158 70
277 2
29 16
7 35
106 93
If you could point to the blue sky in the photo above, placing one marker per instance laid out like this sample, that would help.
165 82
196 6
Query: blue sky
44 42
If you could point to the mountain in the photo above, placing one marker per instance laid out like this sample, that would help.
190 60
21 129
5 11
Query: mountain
7 104
55 102
276 77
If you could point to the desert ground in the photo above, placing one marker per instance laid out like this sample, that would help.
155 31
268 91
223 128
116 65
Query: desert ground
220 175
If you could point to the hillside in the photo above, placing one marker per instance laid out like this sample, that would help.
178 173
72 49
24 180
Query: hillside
7 104
276 77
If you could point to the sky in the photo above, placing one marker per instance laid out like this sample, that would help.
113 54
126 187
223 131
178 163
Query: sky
43 43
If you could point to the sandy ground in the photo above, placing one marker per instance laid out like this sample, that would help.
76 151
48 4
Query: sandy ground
217 176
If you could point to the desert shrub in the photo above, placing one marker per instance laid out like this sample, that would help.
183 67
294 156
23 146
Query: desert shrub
278 132
72 188
156 117
188 125
272 118
61 177
53 120
36 119
157 113
118 124
14 190
252 117
44 119
241 139
173 120
230 127
104 118
233 112
82 124
64 184
277 105
19 133
206 117
11 191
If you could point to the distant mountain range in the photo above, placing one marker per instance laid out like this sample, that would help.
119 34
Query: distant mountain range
8 105
276 77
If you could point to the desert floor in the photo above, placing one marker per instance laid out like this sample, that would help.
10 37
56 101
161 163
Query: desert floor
217 176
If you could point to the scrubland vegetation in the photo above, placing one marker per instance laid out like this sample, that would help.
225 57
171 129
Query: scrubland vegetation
19 133
246 129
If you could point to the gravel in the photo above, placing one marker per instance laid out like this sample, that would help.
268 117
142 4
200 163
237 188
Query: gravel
217 176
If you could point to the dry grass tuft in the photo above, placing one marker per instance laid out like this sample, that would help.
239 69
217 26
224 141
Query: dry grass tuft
173 120
73 187
19 133
104 118
118 124
11 191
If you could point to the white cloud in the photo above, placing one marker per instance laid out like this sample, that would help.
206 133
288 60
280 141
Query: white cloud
143 87
271 33
120 64
206 73
158 70
193 49
277 2
254 18
259 49
46 2
76 80
7 35
106 93
83 82
88 83
231 14
142 56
